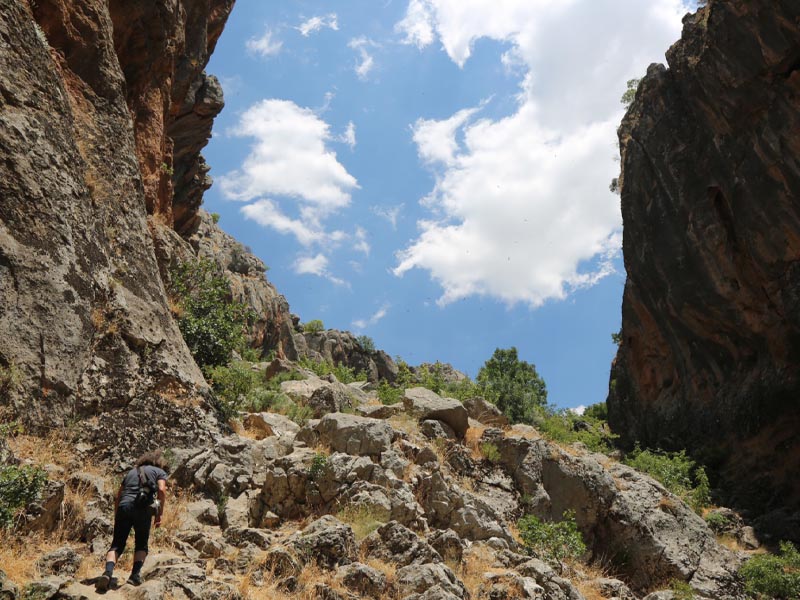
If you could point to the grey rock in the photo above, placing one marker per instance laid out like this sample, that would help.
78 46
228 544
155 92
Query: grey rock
420 578
380 411
433 429
244 536
62 561
207 546
327 541
397 544
424 404
355 435
448 544
485 412
203 511
8 591
364 580
613 588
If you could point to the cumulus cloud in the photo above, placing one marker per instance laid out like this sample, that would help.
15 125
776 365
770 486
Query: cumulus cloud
578 410
291 181
366 62
372 320
314 24
264 46
316 265
520 208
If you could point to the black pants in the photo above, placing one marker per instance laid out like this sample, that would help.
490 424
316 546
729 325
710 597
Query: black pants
129 517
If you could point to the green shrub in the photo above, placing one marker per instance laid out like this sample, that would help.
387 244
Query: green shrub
323 368
565 427
462 390
366 343
318 465
717 522
552 541
681 590
598 412
362 518
674 470
212 324
10 378
771 576
490 452
313 326
19 486
388 394
249 354
215 217
232 384
274 382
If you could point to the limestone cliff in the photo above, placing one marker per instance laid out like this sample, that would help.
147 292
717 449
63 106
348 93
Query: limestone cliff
104 107
710 352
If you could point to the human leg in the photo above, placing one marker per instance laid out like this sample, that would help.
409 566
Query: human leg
141 528
122 529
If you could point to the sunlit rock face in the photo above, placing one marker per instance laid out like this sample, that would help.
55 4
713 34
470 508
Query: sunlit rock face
96 98
710 352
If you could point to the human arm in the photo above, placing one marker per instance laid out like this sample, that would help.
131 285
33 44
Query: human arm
161 493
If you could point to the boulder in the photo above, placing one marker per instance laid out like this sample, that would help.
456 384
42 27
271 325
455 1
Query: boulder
329 399
327 541
381 411
355 435
420 578
8 591
423 404
397 544
485 412
448 544
63 561
364 580
433 429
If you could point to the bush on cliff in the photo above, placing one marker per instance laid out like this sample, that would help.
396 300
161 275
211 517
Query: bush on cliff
324 368
770 576
565 427
552 541
212 324
676 472
313 326
19 486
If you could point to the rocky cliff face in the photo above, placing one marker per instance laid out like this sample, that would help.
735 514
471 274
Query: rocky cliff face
710 352
96 98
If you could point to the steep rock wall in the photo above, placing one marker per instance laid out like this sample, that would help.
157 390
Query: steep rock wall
89 93
710 352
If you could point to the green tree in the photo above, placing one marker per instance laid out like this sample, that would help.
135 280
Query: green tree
769 576
552 541
314 326
630 93
366 343
513 385
212 323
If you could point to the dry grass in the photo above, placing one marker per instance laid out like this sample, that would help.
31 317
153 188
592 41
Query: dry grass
173 519
405 423
362 519
472 570
48 450
586 576
473 441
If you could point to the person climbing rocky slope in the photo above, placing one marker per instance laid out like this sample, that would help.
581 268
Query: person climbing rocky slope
710 182
348 506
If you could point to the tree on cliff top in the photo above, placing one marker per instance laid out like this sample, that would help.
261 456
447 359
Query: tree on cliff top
513 385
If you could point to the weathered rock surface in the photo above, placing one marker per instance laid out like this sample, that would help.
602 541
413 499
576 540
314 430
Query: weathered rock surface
709 358
423 404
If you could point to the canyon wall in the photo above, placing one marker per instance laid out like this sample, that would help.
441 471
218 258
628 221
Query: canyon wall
710 351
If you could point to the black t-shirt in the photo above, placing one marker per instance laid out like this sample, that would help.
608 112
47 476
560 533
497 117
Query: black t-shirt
130 484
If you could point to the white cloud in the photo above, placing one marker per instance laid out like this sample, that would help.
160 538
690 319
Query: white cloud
377 316
417 26
289 158
361 244
317 23
366 61
349 135
578 410
264 46
390 213
521 210
316 265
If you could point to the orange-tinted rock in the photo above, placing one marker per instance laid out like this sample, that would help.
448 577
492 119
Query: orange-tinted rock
710 352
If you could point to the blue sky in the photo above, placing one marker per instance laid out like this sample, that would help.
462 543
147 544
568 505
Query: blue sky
434 173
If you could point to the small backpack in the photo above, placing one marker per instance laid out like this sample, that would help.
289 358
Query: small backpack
146 497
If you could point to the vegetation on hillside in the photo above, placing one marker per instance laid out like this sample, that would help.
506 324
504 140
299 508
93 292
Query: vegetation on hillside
773 576
553 541
676 472
212 323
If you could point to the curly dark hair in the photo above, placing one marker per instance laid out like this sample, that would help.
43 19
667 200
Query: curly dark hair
155 458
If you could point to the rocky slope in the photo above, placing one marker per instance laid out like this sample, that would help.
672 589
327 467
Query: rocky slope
710 352
405 506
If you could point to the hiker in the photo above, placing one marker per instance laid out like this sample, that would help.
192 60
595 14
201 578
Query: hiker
140 498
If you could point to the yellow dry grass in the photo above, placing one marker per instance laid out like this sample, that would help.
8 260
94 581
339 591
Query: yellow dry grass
473 568
473 441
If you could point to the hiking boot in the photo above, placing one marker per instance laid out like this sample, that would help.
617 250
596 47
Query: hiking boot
102 583
135 579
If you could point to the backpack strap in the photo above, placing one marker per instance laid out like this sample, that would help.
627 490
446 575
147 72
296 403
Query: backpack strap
142 478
